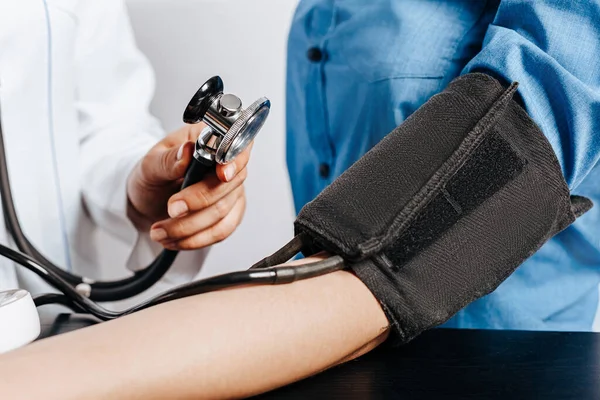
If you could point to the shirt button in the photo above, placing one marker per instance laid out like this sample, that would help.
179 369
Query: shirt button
314 54
324 170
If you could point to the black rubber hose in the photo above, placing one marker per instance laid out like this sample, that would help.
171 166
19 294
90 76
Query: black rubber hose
271 275
78 303
63 286
56 298
284 254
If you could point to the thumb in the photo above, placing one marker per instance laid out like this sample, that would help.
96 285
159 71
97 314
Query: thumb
170 164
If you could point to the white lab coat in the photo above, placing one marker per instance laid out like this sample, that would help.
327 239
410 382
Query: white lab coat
74 98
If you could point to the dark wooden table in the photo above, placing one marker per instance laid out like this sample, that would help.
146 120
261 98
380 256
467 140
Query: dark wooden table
449 364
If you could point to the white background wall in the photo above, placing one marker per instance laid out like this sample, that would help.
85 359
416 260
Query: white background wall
243 41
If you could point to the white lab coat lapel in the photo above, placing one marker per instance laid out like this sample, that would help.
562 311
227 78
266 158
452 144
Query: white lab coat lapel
36 45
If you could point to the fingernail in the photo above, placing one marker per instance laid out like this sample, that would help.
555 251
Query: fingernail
180 152
178 208
229 172
158 234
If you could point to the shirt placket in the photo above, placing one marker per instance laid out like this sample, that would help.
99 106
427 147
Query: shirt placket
323 23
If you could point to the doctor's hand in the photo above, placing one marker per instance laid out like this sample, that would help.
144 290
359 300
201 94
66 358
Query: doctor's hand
198 216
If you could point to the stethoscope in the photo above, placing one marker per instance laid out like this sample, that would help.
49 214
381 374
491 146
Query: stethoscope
230 129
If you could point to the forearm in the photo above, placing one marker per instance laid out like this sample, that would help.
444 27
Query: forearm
232 343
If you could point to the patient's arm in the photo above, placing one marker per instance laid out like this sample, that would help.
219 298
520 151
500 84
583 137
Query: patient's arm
232 343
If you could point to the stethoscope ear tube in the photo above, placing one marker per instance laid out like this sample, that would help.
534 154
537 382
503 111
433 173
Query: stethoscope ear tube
266 276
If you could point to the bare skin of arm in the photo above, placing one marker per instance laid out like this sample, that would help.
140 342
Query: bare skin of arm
228 344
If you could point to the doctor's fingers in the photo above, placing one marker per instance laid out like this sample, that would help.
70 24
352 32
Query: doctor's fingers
183 227
227 172
203 194
216 233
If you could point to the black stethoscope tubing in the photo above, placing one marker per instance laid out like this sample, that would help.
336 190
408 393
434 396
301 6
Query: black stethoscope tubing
67 283
98 291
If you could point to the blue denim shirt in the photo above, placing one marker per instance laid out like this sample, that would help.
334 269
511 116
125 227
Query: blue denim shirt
357 69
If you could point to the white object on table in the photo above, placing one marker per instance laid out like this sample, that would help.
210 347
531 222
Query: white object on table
19 320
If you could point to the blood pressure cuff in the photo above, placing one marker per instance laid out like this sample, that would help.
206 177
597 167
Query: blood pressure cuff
445 207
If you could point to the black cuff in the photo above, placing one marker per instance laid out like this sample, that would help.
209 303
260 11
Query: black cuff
446 206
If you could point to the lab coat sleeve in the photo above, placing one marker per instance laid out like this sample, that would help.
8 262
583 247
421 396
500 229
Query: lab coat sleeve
551 48
115 85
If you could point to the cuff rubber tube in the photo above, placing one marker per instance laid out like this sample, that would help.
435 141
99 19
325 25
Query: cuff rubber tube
445 207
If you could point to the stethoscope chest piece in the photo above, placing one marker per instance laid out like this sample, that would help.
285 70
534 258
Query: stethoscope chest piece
230 127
